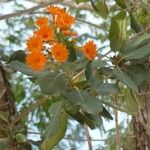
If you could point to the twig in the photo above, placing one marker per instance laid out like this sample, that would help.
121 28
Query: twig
78 75
28 11
88 137
90 23
140 33
42 5
32 132
117 125
83 140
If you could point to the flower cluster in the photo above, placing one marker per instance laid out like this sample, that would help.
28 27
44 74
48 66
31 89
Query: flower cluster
46 34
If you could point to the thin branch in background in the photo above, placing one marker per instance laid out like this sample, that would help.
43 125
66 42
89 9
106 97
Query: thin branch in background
28 11
83 140
88 137
90 23
32 132
44 4
147 30
117 124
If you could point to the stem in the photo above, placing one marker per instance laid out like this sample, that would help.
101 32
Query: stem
117 125
78 75
89 140
84 140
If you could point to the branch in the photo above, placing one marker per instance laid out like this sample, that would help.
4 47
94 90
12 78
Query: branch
83 140
42 5
117 125
88 137
140 33
28 11
92 24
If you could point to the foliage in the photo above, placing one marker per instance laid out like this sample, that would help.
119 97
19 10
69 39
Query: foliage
60 77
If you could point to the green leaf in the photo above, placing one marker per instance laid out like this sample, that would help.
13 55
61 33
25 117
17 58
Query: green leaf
99 63
23 68
19 137
137 42
121 3
104 71
4 143
56 128
92 121
88 71
71 67
52 83
72 51
79 116
87 103
81 85
55 112
130 102
20 94
134 25
139 52
106 88
124 78
117 32
138 73
79 1
102 8
106 114
17 55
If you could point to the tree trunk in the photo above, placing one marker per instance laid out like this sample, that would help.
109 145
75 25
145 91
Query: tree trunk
7 116
7 106
141 122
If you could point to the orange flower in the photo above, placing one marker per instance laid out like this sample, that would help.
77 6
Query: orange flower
41 21
34 44
89 50
45 32
55 10
36 61
64 21
59 52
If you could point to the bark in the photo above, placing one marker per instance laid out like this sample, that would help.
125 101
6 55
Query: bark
8 113
141 122
7 106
